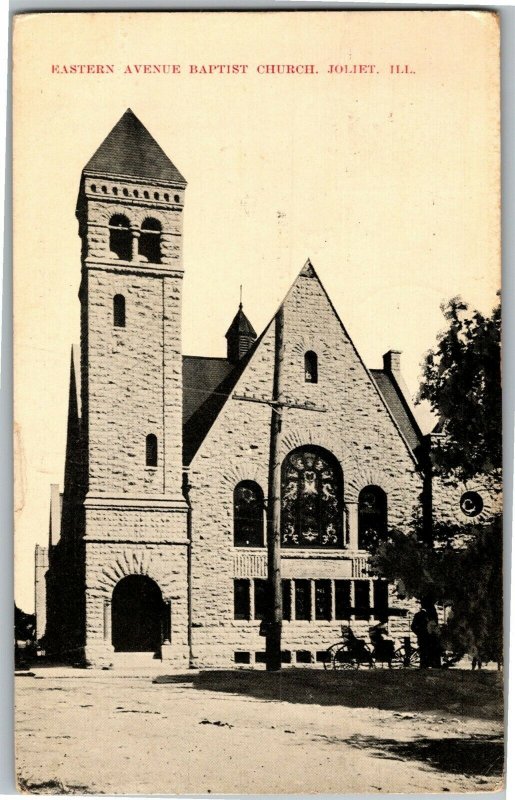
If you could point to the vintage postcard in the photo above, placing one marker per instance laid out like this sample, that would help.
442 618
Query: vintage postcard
257 403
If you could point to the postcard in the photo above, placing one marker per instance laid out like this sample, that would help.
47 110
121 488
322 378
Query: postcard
257 402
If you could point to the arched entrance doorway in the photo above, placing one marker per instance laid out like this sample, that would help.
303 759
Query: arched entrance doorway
137 615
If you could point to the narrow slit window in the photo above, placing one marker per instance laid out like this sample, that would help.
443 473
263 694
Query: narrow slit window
323 599
261 598
119 311
362 599
342 602
303 599
241 598
286 589
311 367
151 450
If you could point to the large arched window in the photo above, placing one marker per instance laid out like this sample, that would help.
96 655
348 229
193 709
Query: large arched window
311 499
248 515
120 239
119 311
372 516
150 241
310 367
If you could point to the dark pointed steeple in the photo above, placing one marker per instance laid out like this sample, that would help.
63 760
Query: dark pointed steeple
240 336
129 150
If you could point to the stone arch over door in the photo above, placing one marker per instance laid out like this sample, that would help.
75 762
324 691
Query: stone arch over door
135 562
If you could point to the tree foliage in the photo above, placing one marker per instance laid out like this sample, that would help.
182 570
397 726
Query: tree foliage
462 382
467 578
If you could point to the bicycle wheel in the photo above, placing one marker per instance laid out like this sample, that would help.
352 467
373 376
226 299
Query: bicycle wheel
350 663
399 659
414 659
343 659
329 656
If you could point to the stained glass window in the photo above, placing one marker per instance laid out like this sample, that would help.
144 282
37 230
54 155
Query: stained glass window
248 515
372 517
311 502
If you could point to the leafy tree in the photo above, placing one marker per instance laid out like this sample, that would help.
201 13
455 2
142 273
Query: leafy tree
462 382
466 576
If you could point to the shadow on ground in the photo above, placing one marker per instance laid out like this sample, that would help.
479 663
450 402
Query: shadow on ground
447 692
479 755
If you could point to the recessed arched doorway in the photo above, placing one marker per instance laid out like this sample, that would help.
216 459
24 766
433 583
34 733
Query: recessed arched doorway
138 615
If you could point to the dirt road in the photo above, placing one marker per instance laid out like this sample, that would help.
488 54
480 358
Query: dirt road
255 733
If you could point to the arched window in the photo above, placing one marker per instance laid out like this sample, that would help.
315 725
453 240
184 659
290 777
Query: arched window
151 450
311 499
119 311
248 515
150 241
311 367
372 516
120 237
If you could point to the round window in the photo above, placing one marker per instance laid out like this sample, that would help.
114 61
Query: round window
471 504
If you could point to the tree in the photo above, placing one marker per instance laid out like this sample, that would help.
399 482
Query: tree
462 382
463 568
466 578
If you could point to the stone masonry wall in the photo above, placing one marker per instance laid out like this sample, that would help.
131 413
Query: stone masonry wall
108 562
357 428
134 384
448 493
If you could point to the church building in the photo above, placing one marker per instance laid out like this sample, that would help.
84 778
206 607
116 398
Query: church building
158 540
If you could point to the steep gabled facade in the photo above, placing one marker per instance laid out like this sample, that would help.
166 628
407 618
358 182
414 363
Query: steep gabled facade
158 543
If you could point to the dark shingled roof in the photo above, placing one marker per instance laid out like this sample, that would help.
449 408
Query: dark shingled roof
130 150
241 325
200 377
398 406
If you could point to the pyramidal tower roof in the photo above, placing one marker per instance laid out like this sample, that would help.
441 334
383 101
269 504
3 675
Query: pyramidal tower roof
241 325
131 151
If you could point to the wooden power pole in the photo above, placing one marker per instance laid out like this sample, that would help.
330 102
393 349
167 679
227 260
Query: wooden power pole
273 528
273 515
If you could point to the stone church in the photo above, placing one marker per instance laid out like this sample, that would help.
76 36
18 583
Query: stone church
157 541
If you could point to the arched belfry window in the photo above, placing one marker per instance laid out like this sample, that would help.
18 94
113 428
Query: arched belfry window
248 515
372 516
311 367
119 311
151 450
120 240
311 499
150 241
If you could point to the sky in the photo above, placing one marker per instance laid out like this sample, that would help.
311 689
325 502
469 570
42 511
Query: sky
387 179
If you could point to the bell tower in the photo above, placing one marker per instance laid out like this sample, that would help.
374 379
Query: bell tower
130 209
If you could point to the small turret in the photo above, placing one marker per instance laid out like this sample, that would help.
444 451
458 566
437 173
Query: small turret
240 337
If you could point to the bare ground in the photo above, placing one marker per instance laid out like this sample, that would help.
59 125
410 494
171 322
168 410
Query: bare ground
303 731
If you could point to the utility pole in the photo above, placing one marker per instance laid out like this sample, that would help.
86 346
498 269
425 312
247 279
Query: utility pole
273 528
273 515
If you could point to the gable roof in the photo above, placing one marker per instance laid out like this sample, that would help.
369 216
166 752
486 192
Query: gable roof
200 377
196 428
201 410
398 406
130 150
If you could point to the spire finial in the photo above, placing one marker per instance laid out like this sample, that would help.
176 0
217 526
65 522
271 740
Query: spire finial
241 296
